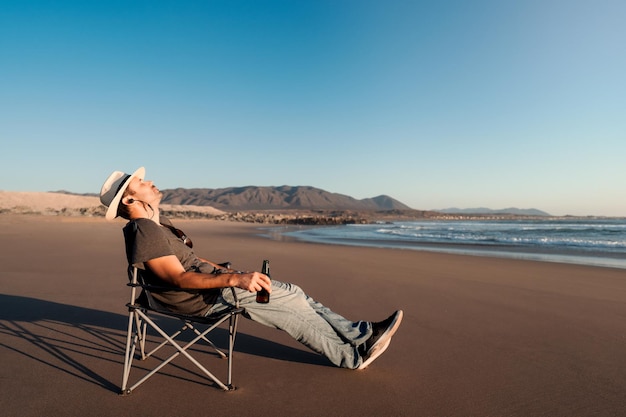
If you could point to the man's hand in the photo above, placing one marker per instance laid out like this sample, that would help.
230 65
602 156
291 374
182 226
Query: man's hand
252 281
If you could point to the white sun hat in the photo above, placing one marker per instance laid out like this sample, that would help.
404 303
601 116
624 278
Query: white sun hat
113 189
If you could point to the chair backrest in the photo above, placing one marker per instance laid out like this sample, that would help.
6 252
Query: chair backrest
145 298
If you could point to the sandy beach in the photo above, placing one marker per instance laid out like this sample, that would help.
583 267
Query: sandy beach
481 336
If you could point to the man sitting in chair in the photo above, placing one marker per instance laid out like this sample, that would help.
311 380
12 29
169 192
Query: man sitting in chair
154 245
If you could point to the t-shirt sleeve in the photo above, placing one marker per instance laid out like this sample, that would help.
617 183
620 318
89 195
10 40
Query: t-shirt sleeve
145 240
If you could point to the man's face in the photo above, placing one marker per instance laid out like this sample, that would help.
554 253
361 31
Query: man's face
145 191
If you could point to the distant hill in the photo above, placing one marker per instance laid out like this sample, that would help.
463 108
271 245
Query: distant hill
275 198
484 210
69 204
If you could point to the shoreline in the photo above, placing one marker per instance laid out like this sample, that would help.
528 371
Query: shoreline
569 256
279 232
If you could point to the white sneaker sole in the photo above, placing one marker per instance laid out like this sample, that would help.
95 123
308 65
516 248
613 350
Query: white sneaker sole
377 351
383 343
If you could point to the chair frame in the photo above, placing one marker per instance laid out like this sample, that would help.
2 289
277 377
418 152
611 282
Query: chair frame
139 321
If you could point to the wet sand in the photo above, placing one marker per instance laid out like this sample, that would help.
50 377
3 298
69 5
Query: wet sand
481 336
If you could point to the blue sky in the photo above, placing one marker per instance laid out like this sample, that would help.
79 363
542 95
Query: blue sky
436 103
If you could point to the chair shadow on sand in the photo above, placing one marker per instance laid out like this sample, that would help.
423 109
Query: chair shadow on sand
81 341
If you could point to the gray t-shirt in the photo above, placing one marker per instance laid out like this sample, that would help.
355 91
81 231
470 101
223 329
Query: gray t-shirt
146 240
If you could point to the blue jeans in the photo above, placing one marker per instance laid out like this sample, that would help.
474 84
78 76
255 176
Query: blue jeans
306 320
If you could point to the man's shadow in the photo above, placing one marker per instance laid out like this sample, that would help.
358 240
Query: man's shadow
79 341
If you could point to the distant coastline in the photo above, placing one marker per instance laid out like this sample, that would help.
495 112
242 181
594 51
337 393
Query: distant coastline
72 205
304 218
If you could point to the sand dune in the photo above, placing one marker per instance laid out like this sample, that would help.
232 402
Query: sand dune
42 202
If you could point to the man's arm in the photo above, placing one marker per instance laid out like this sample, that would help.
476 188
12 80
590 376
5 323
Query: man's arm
214 265
169 269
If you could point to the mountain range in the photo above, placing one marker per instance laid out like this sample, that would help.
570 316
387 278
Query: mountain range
277 198
250 198
484 210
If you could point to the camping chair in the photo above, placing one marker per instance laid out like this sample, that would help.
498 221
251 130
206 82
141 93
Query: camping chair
142 307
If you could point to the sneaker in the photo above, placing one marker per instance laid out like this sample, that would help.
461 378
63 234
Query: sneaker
380 339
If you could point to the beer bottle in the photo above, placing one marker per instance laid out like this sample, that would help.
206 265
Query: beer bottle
263 296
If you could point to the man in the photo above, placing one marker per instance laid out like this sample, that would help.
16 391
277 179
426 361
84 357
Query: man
154 245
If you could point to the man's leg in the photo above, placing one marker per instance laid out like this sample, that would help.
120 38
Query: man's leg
307 321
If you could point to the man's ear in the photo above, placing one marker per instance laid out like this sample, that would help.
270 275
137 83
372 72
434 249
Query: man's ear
128 200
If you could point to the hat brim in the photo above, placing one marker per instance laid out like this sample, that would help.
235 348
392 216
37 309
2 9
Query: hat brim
112 210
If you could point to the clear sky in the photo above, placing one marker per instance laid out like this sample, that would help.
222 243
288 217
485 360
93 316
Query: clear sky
438 104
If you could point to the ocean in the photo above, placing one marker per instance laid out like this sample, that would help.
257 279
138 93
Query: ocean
589 241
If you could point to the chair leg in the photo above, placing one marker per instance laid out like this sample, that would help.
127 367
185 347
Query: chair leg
187 326
141 335
198 332
180 350
232 332
131 342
